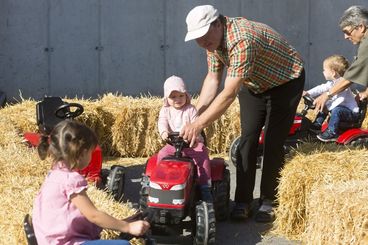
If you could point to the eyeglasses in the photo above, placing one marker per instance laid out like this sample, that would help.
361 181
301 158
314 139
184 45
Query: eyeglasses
350 31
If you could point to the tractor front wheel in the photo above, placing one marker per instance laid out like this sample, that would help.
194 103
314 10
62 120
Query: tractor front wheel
205 224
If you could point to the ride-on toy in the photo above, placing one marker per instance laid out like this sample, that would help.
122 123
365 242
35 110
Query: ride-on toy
52 110
301 131
170 194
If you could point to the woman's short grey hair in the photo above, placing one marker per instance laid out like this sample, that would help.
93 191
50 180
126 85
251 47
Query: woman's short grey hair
354 16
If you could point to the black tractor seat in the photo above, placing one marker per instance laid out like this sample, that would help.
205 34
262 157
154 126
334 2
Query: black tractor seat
45 112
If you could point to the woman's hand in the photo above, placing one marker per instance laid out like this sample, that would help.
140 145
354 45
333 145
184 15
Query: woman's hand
320 101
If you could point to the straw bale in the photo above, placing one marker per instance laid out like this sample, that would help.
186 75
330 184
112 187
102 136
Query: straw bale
306 171
22 115
343 208
9 133
224 130
135 132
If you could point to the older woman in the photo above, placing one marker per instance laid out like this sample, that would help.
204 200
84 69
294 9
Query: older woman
354 25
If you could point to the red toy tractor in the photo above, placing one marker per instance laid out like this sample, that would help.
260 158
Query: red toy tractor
170 194
301 131
52 110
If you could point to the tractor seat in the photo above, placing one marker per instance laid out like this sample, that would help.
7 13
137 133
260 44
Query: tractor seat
28 229
362 104
45 110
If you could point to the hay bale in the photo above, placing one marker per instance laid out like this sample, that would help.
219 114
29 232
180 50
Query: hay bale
306 171
343 209
224 130
22 115
135 128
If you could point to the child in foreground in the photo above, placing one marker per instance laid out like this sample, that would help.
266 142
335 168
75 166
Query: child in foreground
174 114
62 211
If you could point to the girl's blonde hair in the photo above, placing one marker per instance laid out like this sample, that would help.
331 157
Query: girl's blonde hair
66 142
337 63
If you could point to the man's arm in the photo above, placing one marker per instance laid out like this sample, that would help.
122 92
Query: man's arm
209 90
214 111
339 87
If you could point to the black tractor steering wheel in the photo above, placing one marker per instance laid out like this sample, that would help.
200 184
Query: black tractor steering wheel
178 142
308 102
69 110
174 139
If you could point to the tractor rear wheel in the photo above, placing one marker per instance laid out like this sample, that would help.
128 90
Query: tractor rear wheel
360 142
221 196
116 181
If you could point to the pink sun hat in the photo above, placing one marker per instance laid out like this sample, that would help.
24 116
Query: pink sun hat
175 83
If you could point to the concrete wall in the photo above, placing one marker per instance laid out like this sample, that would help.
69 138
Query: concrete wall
91 47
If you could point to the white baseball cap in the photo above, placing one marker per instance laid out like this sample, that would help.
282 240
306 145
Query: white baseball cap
199 20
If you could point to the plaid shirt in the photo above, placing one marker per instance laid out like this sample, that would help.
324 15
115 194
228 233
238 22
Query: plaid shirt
257 53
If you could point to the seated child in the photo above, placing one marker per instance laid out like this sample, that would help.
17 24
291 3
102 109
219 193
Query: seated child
62 211
342 106
174 114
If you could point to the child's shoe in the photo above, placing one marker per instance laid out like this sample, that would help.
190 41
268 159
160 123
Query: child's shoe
327 136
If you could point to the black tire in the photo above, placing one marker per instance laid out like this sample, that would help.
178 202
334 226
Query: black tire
205 225
234 154
221 196
144 192
359 142
116 181
234 151
104 174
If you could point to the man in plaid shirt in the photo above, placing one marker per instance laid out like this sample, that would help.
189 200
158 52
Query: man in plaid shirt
267 74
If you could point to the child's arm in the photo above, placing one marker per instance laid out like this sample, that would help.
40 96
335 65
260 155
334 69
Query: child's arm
320 89
102 219
163 124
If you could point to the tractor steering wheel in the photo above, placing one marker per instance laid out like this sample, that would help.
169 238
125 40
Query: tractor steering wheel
65 112
308 101
175 140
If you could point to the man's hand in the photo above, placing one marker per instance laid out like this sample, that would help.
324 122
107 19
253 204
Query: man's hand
190 133
320 101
